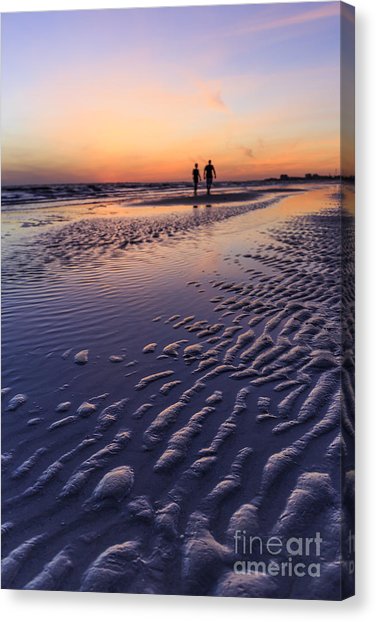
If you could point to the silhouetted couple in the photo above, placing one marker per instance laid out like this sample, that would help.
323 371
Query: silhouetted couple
209 171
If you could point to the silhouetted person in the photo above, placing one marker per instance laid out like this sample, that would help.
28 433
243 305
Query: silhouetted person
196 178
209 170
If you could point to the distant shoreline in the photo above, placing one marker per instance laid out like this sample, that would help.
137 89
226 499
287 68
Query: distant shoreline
184 182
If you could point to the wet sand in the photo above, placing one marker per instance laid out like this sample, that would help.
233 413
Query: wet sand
216 197
171 379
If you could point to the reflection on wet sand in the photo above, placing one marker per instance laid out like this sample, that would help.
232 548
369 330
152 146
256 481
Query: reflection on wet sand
171 380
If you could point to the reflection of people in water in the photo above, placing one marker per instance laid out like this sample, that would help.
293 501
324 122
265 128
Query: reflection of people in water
208 175
196 178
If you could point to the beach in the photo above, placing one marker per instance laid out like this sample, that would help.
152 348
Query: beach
177 374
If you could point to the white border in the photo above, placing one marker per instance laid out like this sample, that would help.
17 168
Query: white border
60 606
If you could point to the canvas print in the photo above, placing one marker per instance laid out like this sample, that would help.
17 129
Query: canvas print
178 301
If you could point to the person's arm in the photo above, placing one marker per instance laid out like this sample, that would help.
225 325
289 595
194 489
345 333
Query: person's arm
199 176
205 172
215 174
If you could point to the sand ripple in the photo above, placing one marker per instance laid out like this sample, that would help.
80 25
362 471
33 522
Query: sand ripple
146 493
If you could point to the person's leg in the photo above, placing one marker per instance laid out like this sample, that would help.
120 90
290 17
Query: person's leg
195 187
208 184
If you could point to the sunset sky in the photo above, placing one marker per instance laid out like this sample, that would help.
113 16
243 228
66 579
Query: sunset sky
140 95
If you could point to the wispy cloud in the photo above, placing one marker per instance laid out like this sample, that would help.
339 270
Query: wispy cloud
305 16
212 95
248 152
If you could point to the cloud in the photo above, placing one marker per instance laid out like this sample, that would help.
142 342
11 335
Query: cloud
328 10
248 152
212 95
215 100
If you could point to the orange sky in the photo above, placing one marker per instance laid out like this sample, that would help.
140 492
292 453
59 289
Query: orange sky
140 95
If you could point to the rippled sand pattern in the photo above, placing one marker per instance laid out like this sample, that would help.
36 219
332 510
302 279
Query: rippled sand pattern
82 239
243 424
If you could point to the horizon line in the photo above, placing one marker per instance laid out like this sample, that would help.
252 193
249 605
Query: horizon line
181 181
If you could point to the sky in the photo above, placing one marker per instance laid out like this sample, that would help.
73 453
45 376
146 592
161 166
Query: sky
142 94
